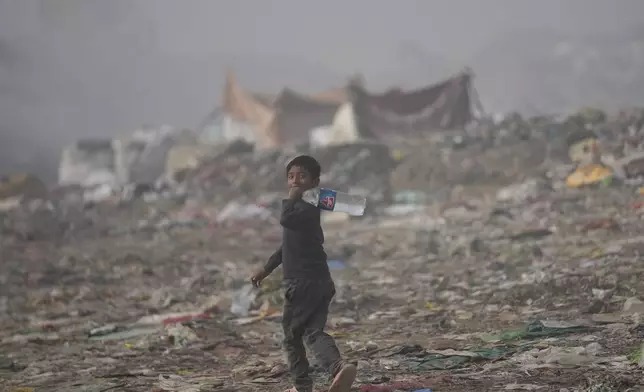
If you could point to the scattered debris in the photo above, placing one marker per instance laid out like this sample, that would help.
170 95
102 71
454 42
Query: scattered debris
478 267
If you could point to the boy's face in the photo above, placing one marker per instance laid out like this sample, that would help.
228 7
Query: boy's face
299 177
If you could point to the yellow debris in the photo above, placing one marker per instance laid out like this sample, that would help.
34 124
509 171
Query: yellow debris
397 155
588 175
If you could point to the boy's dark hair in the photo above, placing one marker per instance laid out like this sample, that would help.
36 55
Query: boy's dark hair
308 163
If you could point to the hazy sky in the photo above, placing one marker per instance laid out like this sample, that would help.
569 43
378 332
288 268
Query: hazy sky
97 67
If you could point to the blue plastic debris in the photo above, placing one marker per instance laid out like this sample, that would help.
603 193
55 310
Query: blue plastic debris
336 264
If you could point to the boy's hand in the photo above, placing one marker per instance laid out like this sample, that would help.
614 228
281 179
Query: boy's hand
257 277
295 193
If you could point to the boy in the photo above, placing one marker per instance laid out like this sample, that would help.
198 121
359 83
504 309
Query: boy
308 284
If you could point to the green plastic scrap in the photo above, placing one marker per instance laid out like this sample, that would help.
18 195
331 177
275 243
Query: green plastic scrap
538 329
458 359
127 334
438 361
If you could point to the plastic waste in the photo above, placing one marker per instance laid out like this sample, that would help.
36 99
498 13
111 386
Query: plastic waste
126 334
588 175
181 335
243 300
331 200
104 330
336 264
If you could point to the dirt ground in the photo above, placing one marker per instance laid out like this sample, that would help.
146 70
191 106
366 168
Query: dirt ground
537 295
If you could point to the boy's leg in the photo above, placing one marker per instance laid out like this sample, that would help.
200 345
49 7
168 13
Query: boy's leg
320 342
294 318
324 347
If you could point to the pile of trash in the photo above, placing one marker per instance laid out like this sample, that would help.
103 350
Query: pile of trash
165 179
512 265
533 288
364 166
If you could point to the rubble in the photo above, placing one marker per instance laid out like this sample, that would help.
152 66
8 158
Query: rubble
475 270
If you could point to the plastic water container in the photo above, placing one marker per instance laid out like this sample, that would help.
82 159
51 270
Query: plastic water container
331 200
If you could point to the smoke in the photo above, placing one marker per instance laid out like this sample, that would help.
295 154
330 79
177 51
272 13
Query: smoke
96 68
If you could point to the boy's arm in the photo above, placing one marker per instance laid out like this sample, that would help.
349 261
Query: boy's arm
274 261
297 214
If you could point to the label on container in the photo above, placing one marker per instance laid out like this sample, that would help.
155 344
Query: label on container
327 199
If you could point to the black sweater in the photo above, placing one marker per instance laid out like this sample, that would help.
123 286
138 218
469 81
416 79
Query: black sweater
302 252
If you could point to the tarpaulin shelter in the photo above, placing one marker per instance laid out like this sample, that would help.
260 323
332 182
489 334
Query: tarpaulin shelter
297 114
442 106
245 108
274 121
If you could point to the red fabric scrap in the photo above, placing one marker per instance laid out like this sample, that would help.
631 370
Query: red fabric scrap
399 385
175 320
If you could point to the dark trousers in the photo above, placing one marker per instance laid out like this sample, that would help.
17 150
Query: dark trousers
306 307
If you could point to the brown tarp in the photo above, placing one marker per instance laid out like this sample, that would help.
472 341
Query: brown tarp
297 114
337 95
285 119
446 105
244 107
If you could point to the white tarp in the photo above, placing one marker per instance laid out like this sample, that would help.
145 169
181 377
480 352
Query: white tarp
223 129
343 130
88 164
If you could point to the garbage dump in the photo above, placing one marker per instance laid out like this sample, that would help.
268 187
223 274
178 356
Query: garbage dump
503 257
